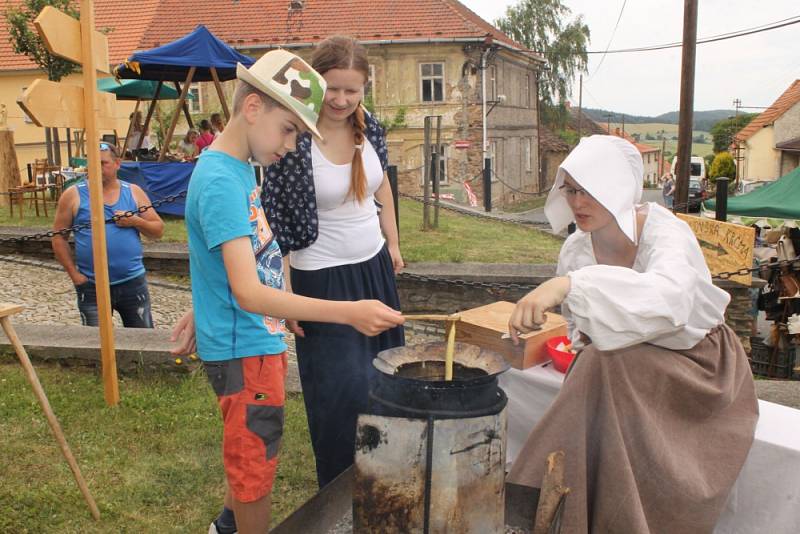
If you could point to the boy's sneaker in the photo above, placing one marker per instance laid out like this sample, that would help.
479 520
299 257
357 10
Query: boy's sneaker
214 530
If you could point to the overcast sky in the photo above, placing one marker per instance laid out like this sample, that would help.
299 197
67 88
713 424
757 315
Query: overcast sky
756 68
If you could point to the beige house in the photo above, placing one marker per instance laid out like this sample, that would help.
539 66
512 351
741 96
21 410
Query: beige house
425 60
769 147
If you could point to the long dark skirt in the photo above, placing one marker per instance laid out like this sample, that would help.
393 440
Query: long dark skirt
335 361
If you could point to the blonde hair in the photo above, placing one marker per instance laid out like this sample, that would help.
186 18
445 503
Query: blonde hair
340 52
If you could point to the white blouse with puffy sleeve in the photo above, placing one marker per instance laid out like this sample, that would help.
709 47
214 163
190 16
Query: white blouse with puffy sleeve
666 298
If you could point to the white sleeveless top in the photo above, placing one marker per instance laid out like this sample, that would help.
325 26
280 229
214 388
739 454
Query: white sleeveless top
349 231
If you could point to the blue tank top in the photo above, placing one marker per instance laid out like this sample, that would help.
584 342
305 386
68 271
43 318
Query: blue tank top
124 248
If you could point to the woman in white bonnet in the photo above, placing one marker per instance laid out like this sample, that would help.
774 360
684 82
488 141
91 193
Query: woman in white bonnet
658 411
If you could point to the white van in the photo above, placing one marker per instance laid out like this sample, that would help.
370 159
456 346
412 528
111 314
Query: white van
697 168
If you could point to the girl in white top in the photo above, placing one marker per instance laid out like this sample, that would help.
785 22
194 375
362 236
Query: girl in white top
658 411
355 256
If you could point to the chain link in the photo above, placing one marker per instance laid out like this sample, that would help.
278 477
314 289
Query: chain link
64 232
466 283
794 264
473 214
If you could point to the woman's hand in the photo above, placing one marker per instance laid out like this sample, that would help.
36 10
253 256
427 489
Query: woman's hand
185 333
397 259
530 310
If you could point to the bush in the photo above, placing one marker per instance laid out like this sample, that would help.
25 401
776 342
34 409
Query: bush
723 165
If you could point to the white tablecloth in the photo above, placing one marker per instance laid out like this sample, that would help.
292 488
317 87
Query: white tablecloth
766 497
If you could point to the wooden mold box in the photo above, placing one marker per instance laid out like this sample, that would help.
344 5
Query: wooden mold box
485 326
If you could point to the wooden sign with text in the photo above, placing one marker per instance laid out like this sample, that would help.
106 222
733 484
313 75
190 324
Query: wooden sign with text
726 246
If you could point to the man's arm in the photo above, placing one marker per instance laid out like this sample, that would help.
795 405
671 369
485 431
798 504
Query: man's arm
148 223
65 214
370 317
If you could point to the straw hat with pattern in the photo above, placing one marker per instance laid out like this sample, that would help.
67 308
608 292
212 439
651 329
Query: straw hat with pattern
290 81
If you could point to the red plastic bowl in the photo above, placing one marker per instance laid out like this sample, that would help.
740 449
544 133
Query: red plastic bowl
561 359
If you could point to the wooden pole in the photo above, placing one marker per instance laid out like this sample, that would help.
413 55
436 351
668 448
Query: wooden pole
102 284
181 101
5 311
686 113
150 111
185 107
220 94
130 126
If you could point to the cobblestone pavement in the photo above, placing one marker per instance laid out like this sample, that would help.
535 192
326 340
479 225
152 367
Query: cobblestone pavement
49 297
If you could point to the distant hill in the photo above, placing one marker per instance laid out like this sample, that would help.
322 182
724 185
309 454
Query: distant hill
703 120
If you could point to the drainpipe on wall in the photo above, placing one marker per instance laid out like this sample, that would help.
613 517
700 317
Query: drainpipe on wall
483 102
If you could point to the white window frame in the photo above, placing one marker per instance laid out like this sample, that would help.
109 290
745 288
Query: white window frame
527 100
432 78
196 105
528 153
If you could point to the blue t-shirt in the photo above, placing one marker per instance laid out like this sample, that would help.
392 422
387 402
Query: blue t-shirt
223 204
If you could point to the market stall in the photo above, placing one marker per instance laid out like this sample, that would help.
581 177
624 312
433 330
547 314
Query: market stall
196 57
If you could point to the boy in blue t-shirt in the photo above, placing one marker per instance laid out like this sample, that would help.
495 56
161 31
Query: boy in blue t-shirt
237 279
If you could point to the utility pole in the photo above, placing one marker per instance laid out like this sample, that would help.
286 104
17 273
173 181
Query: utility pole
608 123
737 104
686 116
623 125
663 148
580 106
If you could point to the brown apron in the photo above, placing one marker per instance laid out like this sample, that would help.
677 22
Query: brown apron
654 438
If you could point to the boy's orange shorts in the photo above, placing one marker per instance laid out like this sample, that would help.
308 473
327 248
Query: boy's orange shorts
251 395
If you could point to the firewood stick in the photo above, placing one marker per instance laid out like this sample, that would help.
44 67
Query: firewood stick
38 391
552 491
433 317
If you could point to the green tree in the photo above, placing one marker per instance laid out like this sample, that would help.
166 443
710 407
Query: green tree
723 131
723 165
26 40
543 26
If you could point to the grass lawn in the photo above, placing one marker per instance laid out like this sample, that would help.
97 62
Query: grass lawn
531 203
458 239
153 463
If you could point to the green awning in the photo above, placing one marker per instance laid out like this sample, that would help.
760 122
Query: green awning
778 200
138 89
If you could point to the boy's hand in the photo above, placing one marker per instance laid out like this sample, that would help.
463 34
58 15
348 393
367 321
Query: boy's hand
184 331
371 317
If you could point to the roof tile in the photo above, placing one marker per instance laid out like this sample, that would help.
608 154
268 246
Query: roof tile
789 98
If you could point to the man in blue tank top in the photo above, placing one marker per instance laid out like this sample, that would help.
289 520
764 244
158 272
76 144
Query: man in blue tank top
130 296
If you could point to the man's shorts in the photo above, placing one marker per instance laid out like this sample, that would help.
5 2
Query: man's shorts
251 395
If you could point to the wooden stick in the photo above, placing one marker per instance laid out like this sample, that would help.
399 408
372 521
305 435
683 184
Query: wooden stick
220 93
181 102
433 317
97 208
451 345
38 391
553 490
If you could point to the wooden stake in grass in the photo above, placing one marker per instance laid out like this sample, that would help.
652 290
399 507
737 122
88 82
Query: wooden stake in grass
6 310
